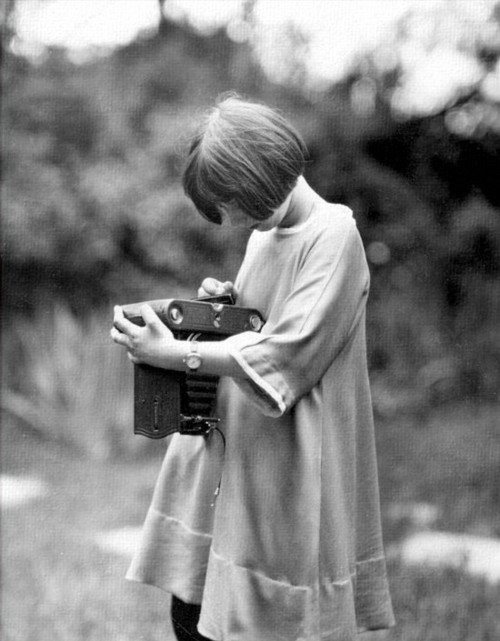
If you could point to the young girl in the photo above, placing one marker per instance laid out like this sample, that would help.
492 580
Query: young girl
292 548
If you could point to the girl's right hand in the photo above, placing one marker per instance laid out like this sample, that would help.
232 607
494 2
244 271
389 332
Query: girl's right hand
214 287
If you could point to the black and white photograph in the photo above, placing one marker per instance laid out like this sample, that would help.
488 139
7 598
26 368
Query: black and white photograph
250 305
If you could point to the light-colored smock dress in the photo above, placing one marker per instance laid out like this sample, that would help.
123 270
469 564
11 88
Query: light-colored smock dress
292 548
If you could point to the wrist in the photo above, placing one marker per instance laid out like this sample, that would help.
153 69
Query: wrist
215 358
173 353
193 359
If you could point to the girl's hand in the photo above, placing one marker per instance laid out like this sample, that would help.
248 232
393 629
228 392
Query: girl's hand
214 287
150 344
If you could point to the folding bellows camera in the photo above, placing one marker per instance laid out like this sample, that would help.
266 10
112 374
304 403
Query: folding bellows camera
167 401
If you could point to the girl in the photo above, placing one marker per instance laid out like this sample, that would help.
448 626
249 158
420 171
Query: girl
292 547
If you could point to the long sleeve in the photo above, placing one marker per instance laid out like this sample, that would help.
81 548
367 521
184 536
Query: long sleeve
291 355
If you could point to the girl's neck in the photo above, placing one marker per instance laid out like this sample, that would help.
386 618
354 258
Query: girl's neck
301 202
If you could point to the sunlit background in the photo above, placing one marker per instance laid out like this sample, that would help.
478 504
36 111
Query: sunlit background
399 103
433 52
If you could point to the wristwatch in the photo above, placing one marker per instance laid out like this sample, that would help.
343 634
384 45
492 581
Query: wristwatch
193 358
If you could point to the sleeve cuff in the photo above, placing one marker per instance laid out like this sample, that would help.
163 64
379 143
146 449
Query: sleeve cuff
268 396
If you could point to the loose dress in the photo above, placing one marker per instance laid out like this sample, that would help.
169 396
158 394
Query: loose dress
291 550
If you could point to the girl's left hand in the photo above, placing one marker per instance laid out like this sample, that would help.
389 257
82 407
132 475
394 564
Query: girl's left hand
150 344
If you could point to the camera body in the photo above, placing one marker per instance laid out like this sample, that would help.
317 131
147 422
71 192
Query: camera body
167 401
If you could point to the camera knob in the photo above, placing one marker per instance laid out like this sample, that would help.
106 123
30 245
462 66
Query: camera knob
255 322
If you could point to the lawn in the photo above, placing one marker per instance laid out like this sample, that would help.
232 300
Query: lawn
58 585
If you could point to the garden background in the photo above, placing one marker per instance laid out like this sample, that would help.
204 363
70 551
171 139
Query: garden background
93 214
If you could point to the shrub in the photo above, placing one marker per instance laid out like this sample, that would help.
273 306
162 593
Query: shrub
68 381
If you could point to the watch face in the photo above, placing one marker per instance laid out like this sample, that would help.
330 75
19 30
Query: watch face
193 360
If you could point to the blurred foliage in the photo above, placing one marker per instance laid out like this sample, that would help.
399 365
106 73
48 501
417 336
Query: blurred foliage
68 383
93 212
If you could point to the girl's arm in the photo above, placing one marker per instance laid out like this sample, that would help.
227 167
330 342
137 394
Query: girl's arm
154 344
316 321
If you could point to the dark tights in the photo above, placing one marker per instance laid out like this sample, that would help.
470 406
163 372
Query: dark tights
185 619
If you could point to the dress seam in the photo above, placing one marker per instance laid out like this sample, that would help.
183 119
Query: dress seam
259 574
371 560
166 517
329 279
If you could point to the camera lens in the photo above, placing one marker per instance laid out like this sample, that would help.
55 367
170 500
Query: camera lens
176 315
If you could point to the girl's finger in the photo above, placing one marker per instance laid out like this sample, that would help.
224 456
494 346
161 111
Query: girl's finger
150 317
119 337
121 323
212 286
229 288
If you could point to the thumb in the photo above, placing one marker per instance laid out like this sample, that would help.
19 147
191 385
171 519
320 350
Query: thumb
212 286
150 317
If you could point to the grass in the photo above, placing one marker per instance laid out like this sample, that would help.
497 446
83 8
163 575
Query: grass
442 605
449 458
58 586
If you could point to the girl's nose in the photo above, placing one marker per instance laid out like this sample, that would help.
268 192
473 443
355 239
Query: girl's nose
227 219
234 219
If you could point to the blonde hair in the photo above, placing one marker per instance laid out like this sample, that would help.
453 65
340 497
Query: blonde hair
245 154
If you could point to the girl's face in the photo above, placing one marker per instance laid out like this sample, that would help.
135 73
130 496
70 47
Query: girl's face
233 216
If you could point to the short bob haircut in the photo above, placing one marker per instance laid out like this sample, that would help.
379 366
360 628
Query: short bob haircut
245 154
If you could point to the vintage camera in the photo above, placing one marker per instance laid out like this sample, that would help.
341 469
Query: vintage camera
167 401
